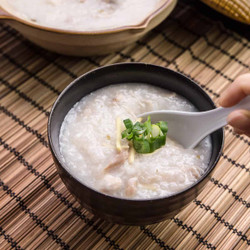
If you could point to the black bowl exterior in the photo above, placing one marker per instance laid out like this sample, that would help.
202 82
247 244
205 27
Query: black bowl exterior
125 211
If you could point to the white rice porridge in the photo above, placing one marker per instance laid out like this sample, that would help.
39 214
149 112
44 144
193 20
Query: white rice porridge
85 15
88 145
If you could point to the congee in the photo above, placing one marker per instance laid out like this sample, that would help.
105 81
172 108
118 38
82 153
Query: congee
85 15
94 152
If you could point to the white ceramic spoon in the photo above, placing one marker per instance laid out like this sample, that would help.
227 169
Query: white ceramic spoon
189 128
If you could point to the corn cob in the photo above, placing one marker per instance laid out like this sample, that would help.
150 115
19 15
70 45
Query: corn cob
236 9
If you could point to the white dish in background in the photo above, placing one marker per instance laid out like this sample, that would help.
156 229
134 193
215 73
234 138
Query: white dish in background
84 43
85 15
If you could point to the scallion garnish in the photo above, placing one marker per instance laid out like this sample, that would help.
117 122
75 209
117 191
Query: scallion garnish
146 137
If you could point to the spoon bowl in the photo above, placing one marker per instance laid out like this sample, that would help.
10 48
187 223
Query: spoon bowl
189 128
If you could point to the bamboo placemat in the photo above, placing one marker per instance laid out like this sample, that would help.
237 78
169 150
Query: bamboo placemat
37 211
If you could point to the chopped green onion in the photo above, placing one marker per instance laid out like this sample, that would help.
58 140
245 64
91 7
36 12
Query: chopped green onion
128 123
146 137
155 130
163 126
148 125
141 146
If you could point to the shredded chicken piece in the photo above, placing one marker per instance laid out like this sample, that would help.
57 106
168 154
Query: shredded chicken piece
119 159
195 173
131 188
111 183
149 187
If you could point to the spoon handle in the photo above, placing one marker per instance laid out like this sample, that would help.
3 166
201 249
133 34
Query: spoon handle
212 120
218 117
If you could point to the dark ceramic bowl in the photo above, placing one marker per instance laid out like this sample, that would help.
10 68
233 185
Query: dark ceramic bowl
125 211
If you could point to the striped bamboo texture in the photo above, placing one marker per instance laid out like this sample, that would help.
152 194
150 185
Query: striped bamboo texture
37 211
236 9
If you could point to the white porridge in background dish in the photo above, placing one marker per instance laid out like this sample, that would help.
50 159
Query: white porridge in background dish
85 15
89 140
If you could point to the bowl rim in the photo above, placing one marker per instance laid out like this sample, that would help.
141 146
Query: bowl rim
142 25
175 195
